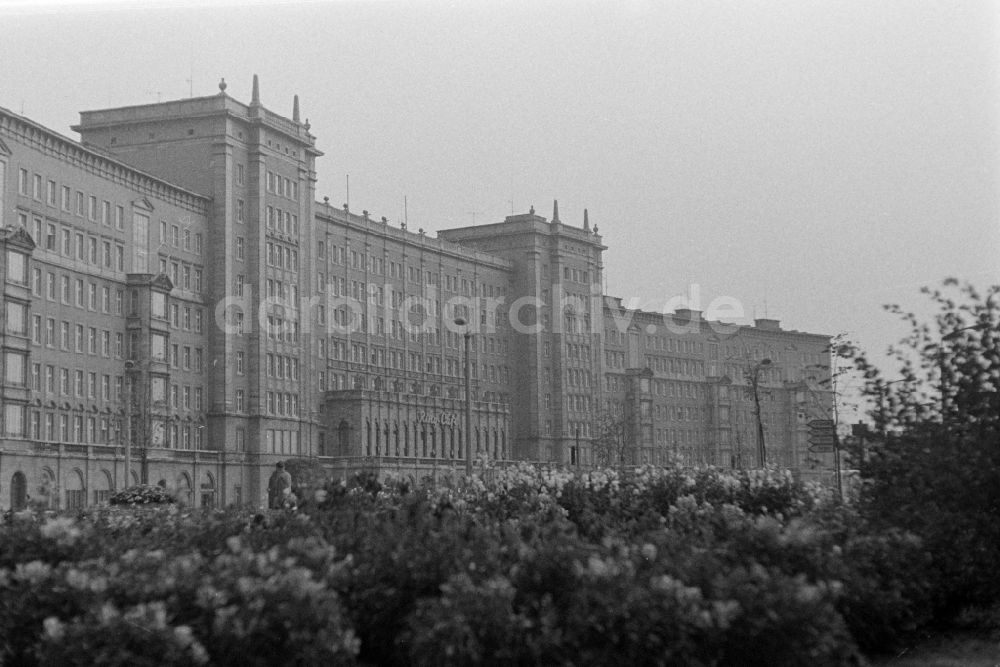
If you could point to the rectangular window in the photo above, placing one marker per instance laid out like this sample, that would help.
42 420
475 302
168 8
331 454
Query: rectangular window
158 347
92 208
13 420
140 243
17 267
15 366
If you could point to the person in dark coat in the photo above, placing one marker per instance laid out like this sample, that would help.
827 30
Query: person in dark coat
279 486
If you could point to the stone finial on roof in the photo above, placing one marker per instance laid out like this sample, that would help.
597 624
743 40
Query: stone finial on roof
222 86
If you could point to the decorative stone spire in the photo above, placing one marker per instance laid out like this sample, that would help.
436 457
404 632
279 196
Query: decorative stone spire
295 109
255 95
555 210
222 86
586 221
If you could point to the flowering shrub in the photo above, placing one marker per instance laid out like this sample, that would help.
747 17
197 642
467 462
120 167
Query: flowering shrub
521 566
143 494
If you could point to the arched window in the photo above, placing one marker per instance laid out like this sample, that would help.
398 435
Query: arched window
208 490
344 437
18 491
76 491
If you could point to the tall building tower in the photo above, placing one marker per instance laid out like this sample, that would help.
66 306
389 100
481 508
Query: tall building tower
258 167
557 325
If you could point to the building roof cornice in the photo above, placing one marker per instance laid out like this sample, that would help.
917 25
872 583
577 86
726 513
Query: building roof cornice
97 162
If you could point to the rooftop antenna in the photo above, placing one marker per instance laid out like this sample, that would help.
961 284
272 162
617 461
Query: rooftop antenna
406 215
348 190
190 81
473 213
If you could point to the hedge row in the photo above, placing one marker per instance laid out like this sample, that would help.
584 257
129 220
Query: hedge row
667 567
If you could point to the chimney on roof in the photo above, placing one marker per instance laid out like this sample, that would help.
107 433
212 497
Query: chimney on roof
555 210
295 108
767 324
586 221
255 94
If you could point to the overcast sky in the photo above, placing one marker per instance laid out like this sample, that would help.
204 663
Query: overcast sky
822 158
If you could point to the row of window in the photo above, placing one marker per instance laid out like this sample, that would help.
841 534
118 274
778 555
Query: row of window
282 257
75 337
280 441
280 185
96 251
280 221
330 381
423 439
75 292
278 366
377 265
89 206
52 427
675 366
183 275
282 404
180 237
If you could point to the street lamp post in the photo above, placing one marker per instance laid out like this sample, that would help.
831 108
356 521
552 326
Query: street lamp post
129 365
468 396
754 377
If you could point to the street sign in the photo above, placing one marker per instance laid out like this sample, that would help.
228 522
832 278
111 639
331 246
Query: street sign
820 424
821 449
822 439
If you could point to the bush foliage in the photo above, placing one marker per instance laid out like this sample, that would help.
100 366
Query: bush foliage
696 567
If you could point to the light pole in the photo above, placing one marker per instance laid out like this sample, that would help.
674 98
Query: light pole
468 396
129 365
754 376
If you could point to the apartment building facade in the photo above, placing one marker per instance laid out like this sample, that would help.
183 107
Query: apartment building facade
171 282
